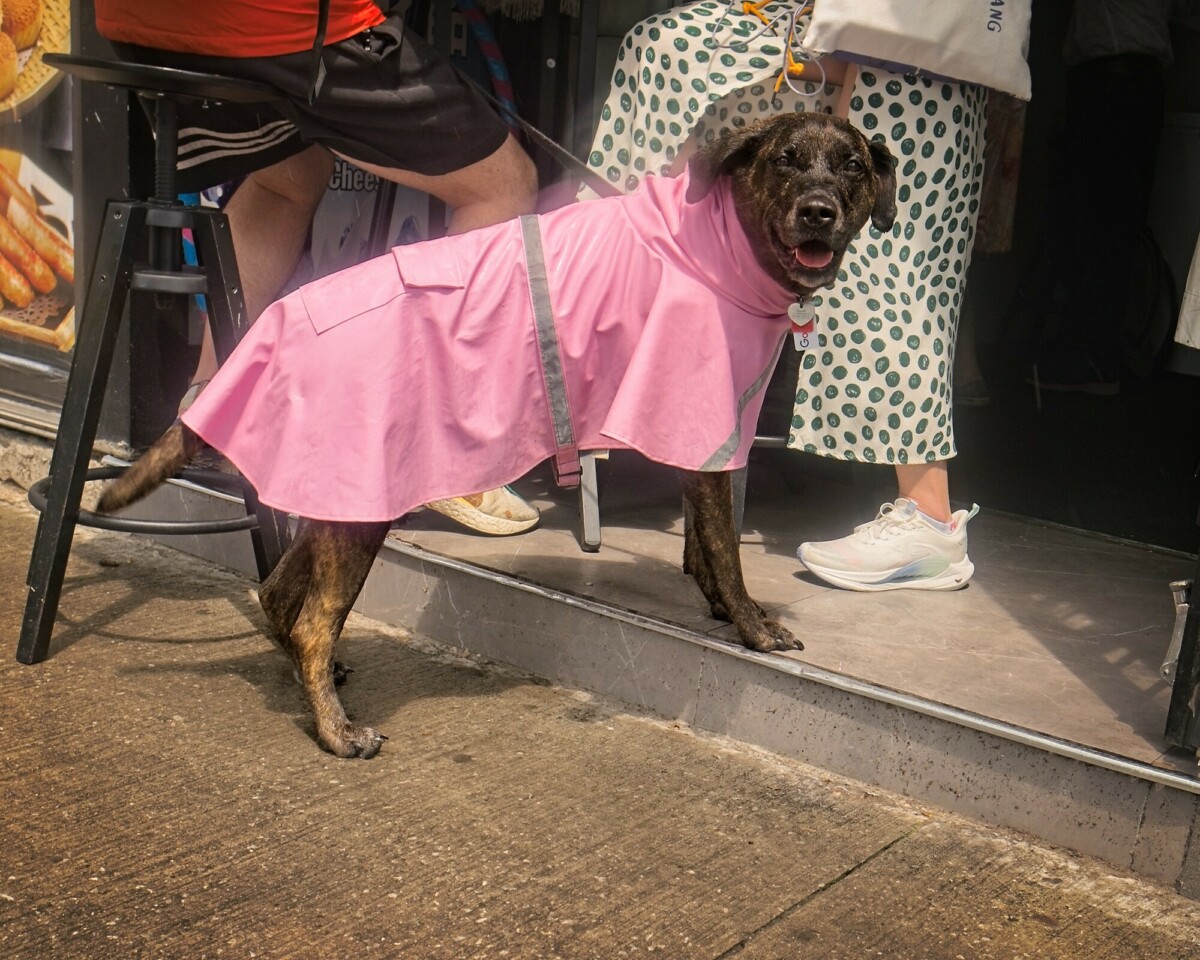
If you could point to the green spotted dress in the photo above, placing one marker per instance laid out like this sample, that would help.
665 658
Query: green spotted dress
877 384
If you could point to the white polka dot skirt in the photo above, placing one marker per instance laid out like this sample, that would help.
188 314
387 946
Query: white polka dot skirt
877 385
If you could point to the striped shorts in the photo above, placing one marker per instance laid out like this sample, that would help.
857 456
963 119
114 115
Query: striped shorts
387 98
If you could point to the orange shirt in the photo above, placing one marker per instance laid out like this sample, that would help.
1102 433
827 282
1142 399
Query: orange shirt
231 28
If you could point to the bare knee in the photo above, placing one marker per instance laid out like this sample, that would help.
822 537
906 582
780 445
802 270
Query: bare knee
499 187
512 176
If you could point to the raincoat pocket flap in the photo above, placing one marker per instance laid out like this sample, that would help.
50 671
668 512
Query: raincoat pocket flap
350 293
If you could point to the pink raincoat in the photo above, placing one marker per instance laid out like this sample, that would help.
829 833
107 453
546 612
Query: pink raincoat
417 375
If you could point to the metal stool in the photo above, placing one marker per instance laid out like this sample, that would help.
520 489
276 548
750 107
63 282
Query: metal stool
113 276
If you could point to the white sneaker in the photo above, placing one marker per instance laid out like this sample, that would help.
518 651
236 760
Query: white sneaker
500 512
897 550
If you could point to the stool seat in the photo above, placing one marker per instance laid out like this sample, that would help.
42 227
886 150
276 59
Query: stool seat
155 80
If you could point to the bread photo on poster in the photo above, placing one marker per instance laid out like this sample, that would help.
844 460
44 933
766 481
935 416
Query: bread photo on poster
20 27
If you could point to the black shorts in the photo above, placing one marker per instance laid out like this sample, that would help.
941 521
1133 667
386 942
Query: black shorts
387 98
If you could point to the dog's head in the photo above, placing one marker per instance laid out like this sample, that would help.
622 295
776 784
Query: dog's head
804 185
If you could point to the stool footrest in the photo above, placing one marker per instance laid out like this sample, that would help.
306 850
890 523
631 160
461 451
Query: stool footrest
185 282
86 518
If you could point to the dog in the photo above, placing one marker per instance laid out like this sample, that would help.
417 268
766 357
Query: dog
377 389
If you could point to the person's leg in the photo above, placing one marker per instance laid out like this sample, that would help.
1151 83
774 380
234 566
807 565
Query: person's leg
499 187
496 188
917 542
269 215
879 387
394 107
928 486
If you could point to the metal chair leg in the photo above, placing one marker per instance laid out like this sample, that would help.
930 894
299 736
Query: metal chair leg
227 314
99 326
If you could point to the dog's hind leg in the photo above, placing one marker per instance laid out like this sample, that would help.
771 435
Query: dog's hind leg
339 557
713 558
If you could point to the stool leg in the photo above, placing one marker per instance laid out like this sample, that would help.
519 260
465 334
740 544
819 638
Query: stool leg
99 325
227 314
226 303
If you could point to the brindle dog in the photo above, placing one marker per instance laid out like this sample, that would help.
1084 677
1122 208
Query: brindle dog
804 185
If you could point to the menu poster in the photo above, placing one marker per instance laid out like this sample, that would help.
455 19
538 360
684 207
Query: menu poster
37 260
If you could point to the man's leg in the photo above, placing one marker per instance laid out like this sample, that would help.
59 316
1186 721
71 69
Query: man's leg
270 213
496 188
269 216
499 187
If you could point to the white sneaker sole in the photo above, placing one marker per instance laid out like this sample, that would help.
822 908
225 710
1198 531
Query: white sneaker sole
462 512
954 577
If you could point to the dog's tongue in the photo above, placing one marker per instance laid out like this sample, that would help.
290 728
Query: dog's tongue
813 255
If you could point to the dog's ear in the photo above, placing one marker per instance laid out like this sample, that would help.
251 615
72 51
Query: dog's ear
883 214
722 155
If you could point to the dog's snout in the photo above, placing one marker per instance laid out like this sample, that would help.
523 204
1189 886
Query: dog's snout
817 212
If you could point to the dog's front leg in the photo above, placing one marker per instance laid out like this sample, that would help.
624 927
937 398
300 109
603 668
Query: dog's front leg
282 596
339 558
711 555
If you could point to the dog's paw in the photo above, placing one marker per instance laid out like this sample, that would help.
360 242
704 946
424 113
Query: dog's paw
352 741
768 636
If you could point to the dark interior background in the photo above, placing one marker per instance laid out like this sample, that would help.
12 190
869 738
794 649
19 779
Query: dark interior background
1124 465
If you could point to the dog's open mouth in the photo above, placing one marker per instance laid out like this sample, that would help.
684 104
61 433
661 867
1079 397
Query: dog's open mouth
814 255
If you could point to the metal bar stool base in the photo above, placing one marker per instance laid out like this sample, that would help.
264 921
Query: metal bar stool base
60 493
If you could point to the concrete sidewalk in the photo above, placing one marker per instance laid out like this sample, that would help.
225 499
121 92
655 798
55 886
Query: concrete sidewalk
163 797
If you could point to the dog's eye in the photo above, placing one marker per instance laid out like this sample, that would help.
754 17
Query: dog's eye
784 160
855 166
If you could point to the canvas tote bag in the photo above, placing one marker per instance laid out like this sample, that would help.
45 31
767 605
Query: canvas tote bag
975 41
